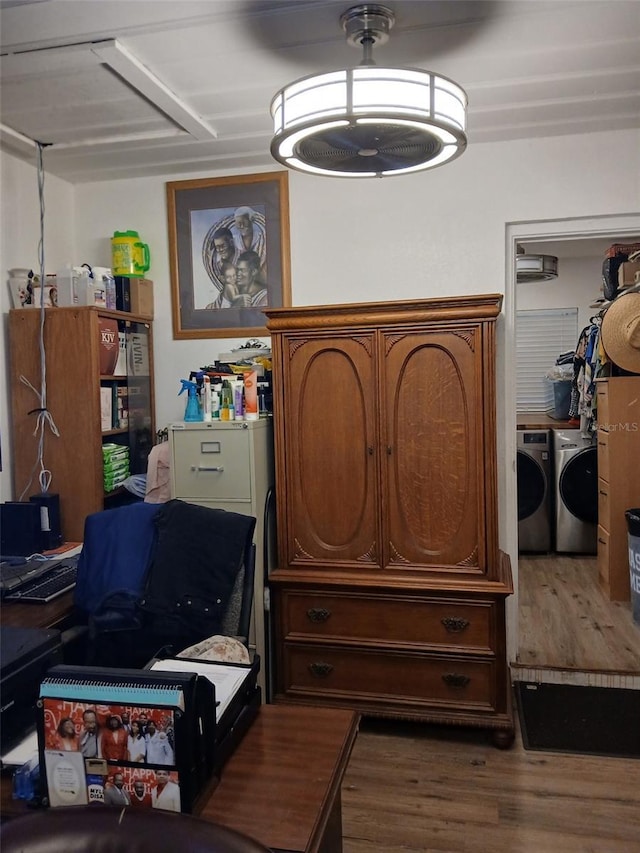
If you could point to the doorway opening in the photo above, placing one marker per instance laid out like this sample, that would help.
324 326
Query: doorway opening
544 645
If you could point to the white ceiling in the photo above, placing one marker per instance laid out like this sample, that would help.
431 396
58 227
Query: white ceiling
126 88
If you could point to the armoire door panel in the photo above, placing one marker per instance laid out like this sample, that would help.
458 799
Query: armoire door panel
331 451
433 430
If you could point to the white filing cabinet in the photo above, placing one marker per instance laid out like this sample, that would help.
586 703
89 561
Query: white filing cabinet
229 465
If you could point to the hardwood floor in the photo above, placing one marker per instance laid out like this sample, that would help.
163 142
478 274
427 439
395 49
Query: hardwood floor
565 621
411 788
424 789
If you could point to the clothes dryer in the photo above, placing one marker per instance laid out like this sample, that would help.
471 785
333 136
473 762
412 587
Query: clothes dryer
534 490
576 492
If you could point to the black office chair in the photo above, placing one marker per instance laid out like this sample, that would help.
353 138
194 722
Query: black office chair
85 829
199 582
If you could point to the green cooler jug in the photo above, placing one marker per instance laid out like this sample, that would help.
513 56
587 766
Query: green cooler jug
129 255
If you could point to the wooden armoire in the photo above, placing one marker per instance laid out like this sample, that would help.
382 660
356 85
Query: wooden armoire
389 592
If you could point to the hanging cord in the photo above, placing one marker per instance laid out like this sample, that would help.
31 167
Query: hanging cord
43 416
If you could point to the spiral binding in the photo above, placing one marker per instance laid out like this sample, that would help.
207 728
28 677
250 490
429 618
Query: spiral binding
114 692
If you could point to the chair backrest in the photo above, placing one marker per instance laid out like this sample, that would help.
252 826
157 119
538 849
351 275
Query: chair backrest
116 830
199 582
237 617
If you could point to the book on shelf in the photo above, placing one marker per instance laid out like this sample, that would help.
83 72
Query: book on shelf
108 345
138 354
106 408
121 362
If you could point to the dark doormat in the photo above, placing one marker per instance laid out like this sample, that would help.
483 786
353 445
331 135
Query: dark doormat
571 718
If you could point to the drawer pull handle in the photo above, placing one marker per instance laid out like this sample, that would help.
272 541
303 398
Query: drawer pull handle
455 679
602 541
318 614
320 670
455 624
204 468
603 493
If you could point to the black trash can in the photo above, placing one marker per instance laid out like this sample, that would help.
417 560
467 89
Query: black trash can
633 525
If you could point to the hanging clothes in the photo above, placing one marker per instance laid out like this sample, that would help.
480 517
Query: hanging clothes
578 364
586 364
590 369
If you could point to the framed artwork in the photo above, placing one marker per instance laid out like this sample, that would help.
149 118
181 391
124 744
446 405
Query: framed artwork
229 253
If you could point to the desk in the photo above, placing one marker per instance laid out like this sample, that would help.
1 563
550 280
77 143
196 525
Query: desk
56 614
282 784
52 615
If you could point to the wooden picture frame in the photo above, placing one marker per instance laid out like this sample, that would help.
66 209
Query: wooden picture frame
229 253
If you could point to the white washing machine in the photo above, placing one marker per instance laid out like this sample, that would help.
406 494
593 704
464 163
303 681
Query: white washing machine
576 492
534 490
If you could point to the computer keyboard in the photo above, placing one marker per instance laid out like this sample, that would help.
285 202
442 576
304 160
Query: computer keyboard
44 589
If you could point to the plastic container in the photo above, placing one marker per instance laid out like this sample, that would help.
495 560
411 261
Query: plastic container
561 399
129 255
74 286
104 277
633 527
227 411
206 395
251 396
238 400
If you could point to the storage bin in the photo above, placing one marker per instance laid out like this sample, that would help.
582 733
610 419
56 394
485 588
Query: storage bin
633 525
561 399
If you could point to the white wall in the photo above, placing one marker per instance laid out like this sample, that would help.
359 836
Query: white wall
424 235
413 236
19 236
579 282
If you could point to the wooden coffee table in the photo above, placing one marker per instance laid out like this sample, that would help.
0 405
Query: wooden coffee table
282 784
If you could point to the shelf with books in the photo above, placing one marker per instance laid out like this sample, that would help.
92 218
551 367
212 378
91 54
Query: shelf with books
78 341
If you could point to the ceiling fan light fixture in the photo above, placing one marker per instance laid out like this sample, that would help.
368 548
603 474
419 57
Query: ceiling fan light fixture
530 268
368 121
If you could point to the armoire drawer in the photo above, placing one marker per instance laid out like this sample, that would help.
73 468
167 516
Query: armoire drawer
390 620
603 455
212 466
358 674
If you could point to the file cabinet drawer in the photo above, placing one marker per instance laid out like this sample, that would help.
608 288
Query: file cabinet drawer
212 466
364 675
389 620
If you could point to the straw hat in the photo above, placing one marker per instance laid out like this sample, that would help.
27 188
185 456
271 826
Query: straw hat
621 332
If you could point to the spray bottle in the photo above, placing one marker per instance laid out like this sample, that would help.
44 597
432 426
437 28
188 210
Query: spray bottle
192 410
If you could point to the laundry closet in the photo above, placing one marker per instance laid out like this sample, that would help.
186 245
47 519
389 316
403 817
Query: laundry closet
578 442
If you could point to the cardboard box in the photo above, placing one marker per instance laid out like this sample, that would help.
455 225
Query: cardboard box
141 297
627 273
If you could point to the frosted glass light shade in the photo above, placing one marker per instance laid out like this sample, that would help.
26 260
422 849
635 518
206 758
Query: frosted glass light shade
369 121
